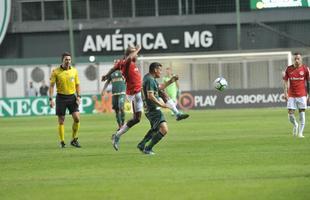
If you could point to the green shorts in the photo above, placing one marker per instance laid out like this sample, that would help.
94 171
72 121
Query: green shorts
156 118
118 101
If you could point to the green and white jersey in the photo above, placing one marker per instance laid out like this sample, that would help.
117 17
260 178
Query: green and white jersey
149 84
118 83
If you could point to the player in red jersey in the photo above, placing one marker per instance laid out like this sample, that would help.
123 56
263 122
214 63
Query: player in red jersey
133 79
296 86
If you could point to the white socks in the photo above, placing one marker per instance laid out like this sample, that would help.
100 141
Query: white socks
170 103
302 119
122 130
292 119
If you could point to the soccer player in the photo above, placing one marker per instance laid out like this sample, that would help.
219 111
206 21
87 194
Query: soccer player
131 73
152 105
68 96
296 78
173 89
118 95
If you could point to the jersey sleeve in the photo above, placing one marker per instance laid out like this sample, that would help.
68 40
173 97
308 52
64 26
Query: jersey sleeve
117 65
285 75
53 77
307 73
77 80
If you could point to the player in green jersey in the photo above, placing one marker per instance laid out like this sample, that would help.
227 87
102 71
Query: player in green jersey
118 95
152 103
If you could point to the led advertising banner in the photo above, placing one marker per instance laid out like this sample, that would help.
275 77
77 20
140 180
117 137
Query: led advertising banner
264 4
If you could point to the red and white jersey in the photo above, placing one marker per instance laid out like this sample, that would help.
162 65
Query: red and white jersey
132 76
297 78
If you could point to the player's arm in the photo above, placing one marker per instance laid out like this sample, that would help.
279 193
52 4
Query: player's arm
51 93
107 75
133 54
78 93
285 88
151 96
113 69
105 86
51 89
173 79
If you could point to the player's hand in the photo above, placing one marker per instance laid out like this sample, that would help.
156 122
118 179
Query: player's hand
78 100
104 78
174 78
138 47
285 96
52 103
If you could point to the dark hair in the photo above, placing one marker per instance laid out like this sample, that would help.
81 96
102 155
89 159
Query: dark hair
64 55
154 66
297 53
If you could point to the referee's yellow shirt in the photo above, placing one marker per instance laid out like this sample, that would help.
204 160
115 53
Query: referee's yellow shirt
66 80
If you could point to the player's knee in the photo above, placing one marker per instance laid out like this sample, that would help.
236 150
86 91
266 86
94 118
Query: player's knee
137 120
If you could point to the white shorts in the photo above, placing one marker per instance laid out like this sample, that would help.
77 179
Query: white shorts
294 103
136 102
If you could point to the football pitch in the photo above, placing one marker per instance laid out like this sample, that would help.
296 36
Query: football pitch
215 154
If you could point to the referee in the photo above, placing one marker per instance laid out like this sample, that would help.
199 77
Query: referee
68 96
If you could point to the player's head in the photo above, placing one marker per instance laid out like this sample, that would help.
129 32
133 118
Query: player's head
168 71
155 69
129 50
66 59
297 59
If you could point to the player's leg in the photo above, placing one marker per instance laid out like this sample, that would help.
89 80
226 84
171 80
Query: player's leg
61 130
121 106
302 105
116 109
148 136
159 123
137 105
61 112
75 129
74 111
302 120
291 106
172 106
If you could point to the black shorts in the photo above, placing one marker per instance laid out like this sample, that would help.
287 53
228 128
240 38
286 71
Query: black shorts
66 101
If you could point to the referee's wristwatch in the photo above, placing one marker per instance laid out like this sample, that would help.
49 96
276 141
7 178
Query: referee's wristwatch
50 99
78 95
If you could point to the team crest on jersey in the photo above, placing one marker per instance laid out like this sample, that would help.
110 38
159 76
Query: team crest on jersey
301 73
72 79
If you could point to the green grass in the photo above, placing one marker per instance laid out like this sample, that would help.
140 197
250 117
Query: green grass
215 154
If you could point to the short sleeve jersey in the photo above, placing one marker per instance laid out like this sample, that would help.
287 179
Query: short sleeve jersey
132 76
118 83
297 78
149 84
172 89
66 80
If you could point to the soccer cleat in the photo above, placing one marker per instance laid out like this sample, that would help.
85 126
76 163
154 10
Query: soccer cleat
62 144
75 143
141 147
301 136
115 141
182 116
148 152
295 130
